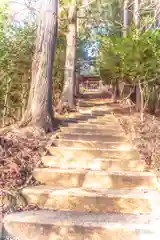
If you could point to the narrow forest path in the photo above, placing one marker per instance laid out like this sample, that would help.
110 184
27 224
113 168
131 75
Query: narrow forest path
93 185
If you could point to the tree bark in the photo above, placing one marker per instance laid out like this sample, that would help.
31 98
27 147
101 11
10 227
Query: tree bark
157 13
68 94
39 110
125 18
77 85
6 96
136 14
138 99
115 91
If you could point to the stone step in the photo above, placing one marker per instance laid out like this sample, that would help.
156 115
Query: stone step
107 117
95 110
89 114
93 113
94 104
93 100
98 125
99 113
59 225
101 121
95 179
98 164
90 109
93 127
90 200
90 119
89 104
106 121
73 154
90 130
90 144
78 117
91 137
98 105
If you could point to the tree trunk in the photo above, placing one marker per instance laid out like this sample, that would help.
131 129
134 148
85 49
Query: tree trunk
68 94
77 85
6 96
133 94
24 93
136 14
138 98
39 110
116 92
125 18
157 13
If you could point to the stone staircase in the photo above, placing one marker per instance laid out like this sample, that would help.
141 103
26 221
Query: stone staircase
93 185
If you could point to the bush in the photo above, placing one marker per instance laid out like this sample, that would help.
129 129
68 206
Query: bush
16 52
134 59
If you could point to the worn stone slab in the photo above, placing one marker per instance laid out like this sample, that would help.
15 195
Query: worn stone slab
91 130
97 164
89 104
99 113
95 179
90 144
66 121
91 137
73 154
100 107
59 225
90 119
92 103
94 114
106 121
107 117
94 110
90 200
93 125
86 125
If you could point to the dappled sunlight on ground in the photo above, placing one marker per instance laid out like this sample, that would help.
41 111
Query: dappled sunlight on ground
125 147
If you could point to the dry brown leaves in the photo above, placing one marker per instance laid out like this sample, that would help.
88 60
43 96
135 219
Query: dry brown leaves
144 135
19 155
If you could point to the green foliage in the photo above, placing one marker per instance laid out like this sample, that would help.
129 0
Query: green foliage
135 57
16 52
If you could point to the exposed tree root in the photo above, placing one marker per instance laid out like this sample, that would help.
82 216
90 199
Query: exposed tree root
63 107
39 127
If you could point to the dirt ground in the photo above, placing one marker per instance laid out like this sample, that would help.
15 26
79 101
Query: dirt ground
145 136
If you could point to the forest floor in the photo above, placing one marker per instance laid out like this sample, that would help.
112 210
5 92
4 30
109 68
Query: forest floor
144 135
19 155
